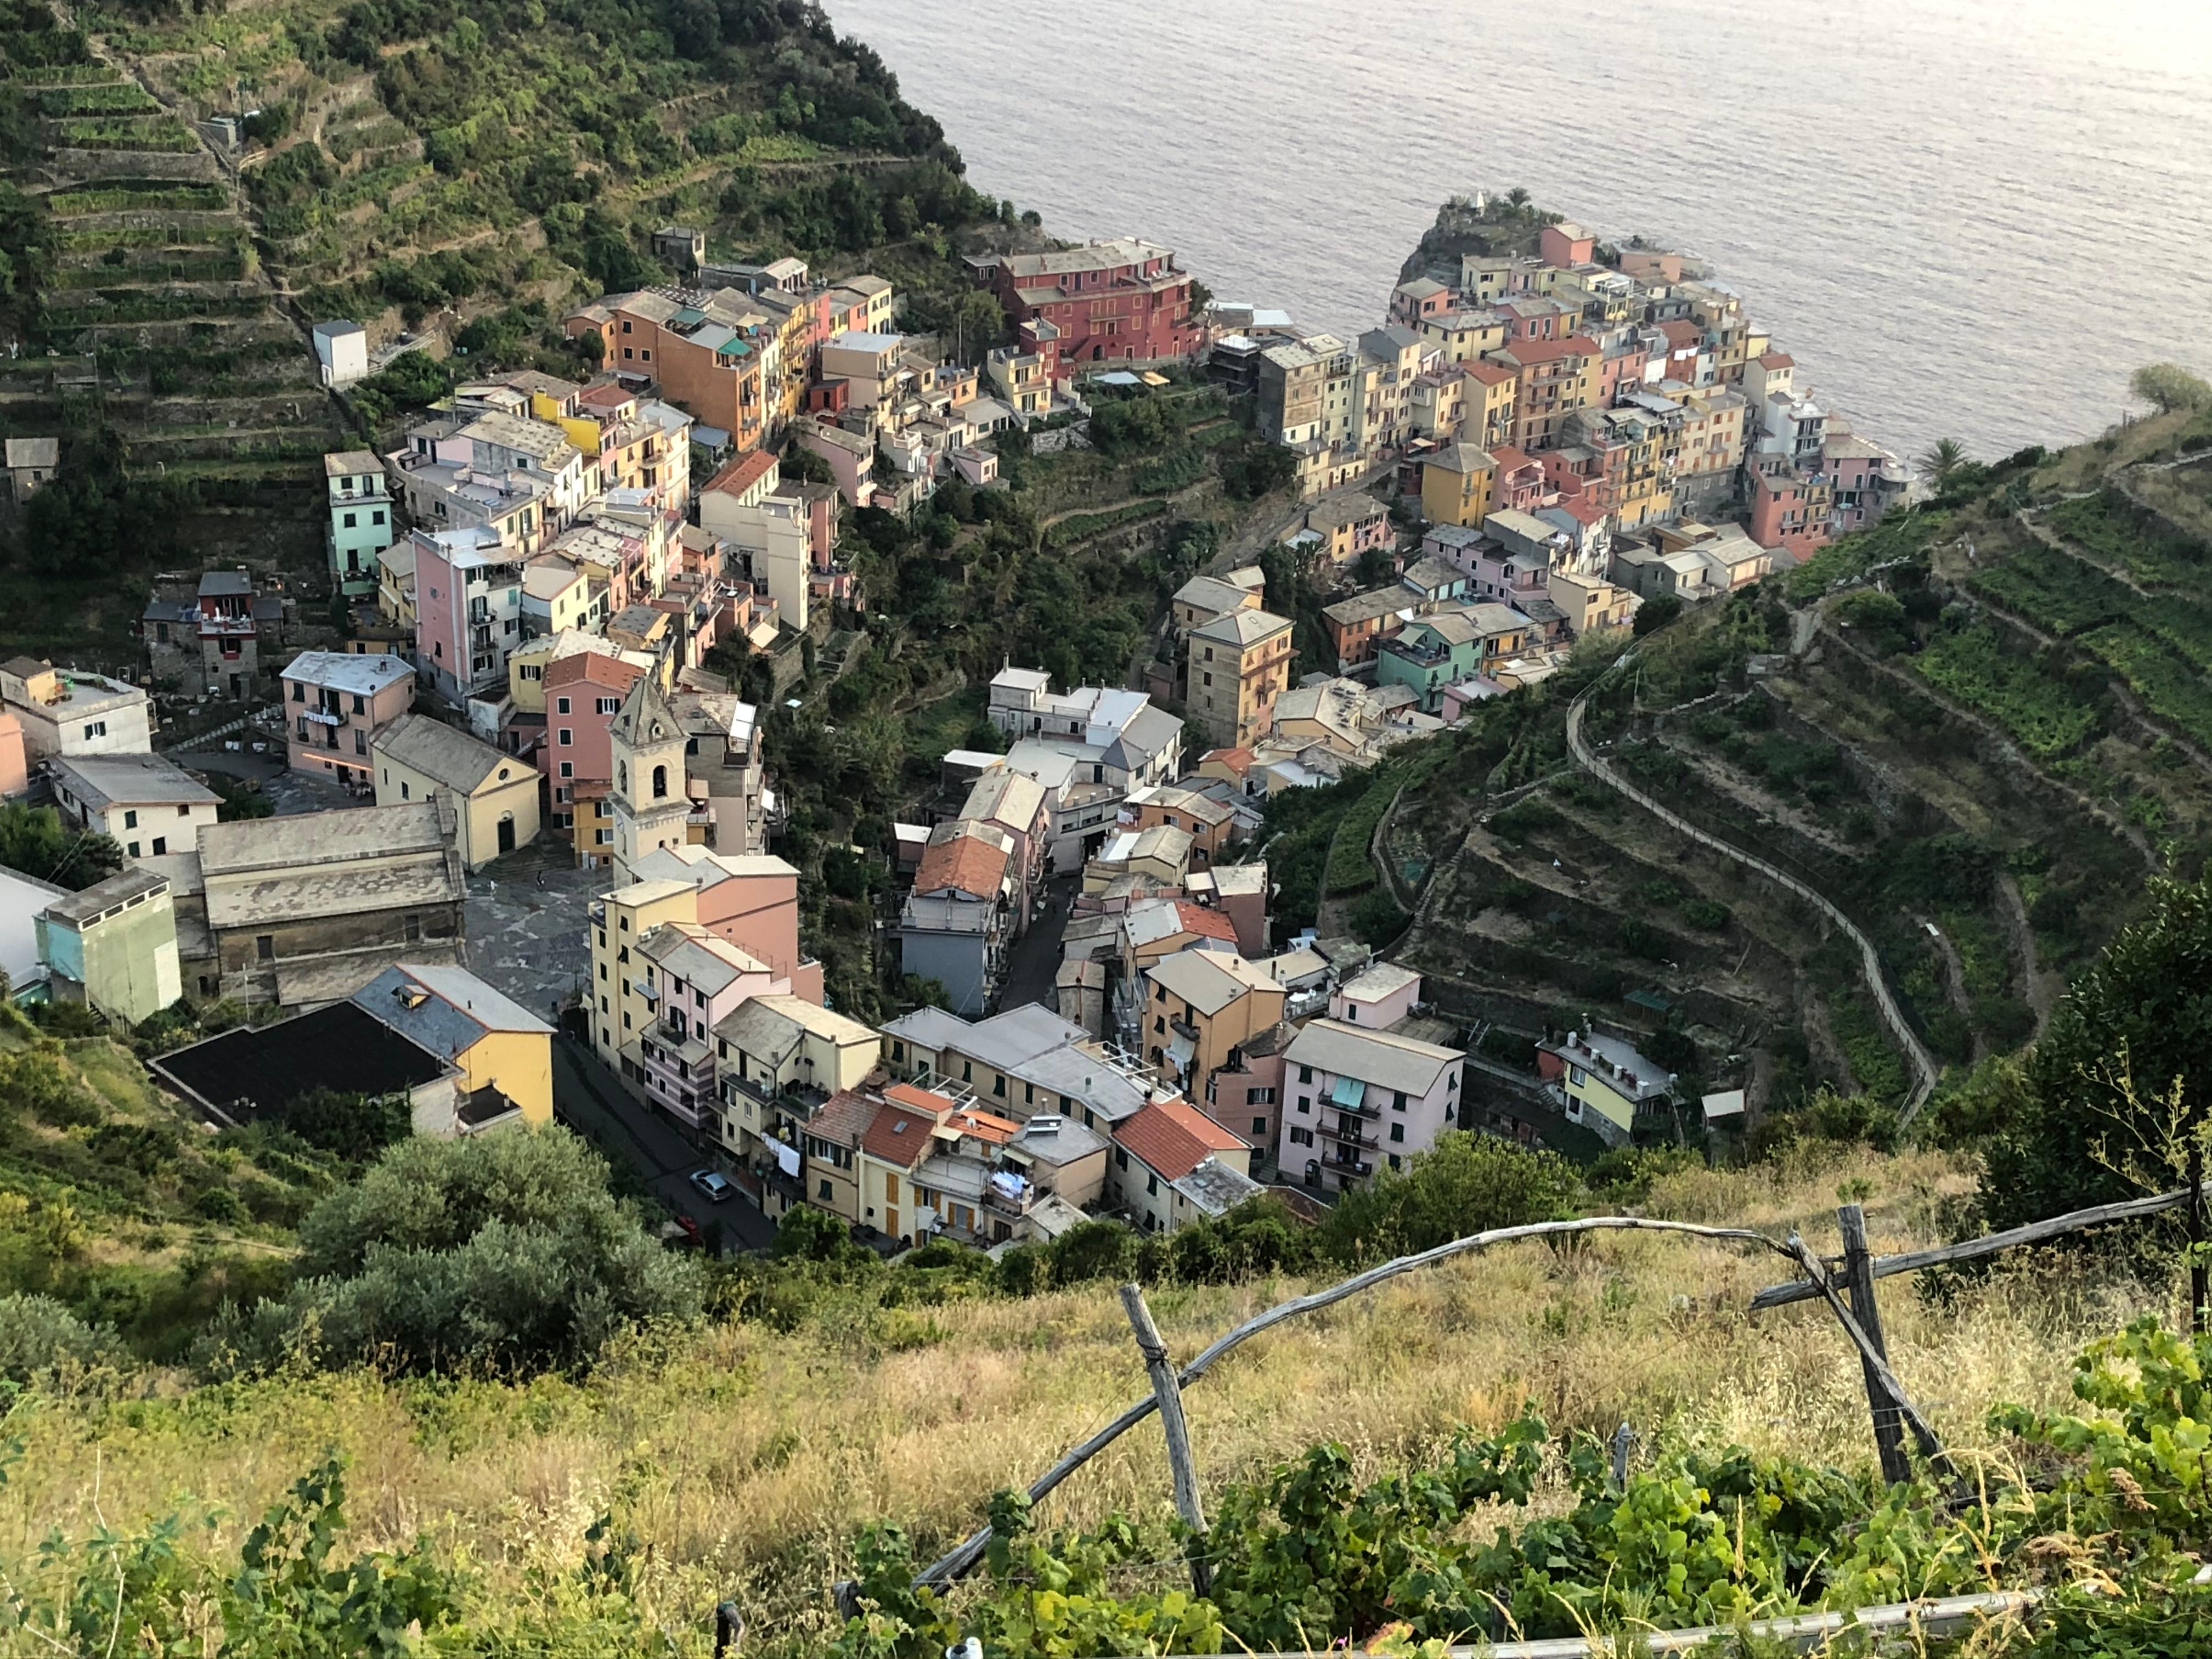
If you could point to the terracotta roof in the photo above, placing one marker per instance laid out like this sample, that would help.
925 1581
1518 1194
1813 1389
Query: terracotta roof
964 864
743 473
915 1097
1172 1138
1527 352
1488 374
984 1125
1581 508
1207 923
595 668
898 1135
1681 334
843 1118
1238 760
1777 360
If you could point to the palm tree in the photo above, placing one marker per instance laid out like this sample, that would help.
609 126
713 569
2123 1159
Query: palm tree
1944 463
1516 197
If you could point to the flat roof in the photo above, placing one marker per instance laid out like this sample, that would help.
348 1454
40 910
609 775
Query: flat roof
253 1073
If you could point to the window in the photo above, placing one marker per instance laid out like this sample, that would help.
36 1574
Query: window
1301 1137
1259 1096
184 812
265 947
603 973
132 849
404 791
360 742
1305 1074
161 845
565 736
377 517
130 818
660 783
299 692
1152 1185
606 705
822 1193
349 521
414 928
94 729
1305 1104
1394 1161
1398 1101
1397 1132
1259 1126
1121 1158
567 768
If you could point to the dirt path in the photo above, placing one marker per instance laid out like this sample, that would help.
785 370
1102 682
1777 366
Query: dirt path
1918 1058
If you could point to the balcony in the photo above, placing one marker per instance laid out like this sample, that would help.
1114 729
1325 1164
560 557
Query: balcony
1349 1133
1184 1030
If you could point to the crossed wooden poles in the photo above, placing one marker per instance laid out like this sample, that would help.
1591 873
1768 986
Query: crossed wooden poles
1893 1411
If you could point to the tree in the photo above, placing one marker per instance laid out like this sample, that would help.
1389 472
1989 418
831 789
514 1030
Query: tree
1656 613
1516 198
33 841
1466 1183
355 1126
1943 463
2118 1094
2168 388
502 1253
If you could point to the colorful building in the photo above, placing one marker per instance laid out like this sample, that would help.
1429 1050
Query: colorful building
1236 665
1124 300
335 704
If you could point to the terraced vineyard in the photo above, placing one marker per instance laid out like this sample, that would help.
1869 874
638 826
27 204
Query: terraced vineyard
156 323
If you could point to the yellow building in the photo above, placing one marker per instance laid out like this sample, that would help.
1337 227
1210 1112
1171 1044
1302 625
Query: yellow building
621 1008
395 585
1236 665
495 795
1487 405
496 1043
1459 485
769 1047
1199 1005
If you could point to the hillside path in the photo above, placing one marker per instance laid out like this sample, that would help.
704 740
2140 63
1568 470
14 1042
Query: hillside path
1916 1055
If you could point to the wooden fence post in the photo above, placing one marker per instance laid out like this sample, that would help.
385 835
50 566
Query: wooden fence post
1168 1391
2200 1271
1858 1280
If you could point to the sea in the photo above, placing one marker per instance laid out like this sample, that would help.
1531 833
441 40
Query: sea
1964 218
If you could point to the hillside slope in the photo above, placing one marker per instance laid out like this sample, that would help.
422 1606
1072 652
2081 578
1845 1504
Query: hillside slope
739 1462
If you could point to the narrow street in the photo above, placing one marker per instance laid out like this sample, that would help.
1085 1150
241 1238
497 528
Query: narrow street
591 1100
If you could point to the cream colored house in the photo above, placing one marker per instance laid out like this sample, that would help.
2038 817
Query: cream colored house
495 795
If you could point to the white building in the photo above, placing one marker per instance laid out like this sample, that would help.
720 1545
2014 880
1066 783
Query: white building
148 806
342 349
67 711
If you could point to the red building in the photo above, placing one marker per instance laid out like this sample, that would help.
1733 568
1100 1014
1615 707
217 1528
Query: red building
1117 302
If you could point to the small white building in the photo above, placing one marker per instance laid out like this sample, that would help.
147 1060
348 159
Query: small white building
70 711
342 351
148 805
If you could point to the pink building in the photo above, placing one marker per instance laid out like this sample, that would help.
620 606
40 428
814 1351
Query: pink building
698 979
468 608
1355 1100
1565 244
1245 1095
583 693
751 902
335 704
1379 995
1789 509
15 762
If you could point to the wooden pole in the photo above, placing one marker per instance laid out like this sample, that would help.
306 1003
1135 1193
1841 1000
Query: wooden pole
1931 1447
2200 1271
1858 1280
1168 1391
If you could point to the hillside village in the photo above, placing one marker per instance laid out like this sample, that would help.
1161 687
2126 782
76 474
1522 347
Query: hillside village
555 594
651 757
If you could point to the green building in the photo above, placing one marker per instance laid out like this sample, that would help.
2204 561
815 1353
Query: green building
361 520
113 946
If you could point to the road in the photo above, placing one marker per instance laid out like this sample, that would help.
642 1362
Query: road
1034 962
591 1100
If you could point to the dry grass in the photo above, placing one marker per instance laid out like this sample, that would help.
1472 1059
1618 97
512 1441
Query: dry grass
746 1458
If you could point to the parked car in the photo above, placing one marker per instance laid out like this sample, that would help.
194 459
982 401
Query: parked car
715 1184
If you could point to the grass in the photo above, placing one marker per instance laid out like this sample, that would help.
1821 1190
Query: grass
746 1457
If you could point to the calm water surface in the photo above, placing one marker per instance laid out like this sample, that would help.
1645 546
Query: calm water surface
1963 218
